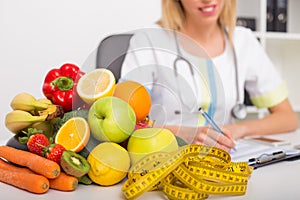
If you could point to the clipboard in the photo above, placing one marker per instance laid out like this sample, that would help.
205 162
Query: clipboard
275 157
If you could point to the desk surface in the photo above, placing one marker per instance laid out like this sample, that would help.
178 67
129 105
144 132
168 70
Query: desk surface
276 181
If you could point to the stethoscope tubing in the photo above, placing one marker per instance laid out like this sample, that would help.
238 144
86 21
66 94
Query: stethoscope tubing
239 109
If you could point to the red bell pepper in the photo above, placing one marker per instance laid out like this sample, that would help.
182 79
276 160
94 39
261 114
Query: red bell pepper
60 86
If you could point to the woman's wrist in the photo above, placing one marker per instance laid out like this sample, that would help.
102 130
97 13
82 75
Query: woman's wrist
238 130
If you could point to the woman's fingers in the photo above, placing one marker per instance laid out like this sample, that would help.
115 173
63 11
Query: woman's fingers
226 139
204 139
211 137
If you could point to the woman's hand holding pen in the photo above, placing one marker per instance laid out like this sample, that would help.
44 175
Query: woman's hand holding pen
208 136
237 131
204 135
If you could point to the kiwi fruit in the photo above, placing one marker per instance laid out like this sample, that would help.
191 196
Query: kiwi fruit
74 164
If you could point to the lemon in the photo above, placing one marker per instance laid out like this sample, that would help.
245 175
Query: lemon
109 163
74 134
95 84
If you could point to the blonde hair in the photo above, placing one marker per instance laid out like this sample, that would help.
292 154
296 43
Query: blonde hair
173 16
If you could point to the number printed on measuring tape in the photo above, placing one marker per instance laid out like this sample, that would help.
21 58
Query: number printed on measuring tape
192 172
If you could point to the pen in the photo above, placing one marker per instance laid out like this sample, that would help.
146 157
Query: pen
266 158
271 157
212 122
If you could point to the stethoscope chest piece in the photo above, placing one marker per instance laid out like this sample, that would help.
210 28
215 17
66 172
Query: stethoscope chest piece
239 111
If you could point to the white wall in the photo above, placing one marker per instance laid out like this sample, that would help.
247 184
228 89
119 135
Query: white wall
38 35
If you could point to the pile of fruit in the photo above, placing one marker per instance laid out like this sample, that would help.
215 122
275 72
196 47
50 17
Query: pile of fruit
91 130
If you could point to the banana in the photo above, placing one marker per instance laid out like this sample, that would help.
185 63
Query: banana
17 120
45 100
31 112
26 102
53 111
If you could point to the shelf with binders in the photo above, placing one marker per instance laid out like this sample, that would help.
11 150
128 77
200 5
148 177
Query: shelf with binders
282 47
257 10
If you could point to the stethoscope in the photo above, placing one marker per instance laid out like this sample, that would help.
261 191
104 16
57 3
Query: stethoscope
178 59
239 110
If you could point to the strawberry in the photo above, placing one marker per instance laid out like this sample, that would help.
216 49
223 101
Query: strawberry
36 141
53 152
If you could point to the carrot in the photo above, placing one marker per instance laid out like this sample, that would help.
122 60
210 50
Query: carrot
28 181
64 182
13 168
36 163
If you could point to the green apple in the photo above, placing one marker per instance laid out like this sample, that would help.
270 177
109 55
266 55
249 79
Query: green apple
111 119
149 140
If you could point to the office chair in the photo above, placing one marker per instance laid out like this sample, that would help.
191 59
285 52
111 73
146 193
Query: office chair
111 54
247 100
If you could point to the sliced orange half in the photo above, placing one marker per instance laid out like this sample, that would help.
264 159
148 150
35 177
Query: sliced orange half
95 84
74 134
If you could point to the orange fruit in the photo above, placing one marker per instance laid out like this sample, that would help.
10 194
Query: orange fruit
74 134
136 95
95 84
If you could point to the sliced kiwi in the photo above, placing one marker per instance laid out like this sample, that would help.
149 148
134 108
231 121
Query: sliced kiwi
74 164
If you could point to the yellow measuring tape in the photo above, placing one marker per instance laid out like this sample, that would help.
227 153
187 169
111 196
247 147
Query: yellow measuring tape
192 172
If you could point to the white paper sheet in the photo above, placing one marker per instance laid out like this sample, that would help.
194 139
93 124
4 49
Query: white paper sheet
246 149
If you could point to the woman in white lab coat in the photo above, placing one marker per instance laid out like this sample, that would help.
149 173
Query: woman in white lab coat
225 59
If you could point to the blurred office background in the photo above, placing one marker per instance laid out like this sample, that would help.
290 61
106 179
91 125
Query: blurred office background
38 35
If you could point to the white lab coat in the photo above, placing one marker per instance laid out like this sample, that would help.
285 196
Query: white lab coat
175 99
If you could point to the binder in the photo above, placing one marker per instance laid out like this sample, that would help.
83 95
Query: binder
280 20
270 15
